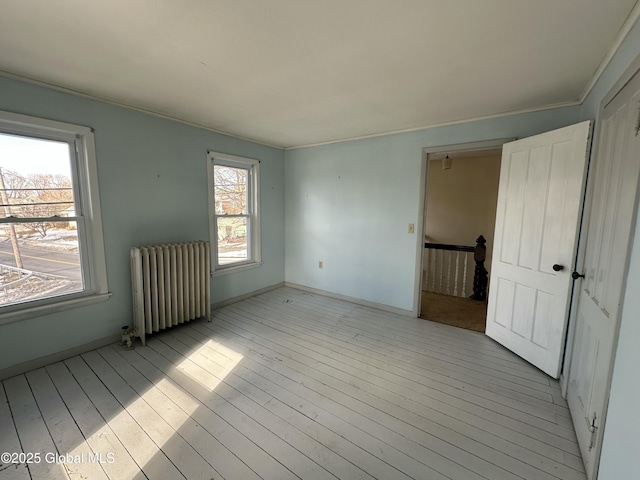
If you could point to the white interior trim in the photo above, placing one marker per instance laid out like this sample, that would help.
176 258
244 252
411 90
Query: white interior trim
469 147
254 220
86 194
70 91
52 305
628 74
24 367
358 301
244 296
422 209
281 147
611 94
631 20
625 78
422 204
445 124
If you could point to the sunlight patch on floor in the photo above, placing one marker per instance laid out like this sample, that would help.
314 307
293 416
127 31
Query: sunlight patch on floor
221 360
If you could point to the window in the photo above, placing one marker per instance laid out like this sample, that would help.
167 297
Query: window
234 212
51 250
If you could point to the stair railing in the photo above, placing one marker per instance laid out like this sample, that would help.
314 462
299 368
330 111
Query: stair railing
448 269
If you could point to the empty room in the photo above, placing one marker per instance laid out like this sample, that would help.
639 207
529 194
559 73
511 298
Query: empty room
319 240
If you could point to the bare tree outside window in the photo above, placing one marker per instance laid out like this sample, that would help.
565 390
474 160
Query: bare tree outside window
38 196
39 251
231 187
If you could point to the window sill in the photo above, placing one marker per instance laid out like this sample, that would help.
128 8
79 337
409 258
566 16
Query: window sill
54 307
239 268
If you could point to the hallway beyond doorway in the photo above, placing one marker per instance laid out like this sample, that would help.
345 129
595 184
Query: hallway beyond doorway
455 311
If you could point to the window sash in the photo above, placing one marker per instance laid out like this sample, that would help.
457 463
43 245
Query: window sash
251 216
246 201
74 145
84 183
85 277
249 236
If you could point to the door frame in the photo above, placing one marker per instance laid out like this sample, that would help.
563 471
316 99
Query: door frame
625 78
422 202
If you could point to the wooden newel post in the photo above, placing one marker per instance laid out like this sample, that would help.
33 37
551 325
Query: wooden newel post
480 275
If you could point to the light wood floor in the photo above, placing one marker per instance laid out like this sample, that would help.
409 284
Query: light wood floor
293 385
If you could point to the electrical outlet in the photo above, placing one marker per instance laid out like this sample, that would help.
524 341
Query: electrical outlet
320 264
411 228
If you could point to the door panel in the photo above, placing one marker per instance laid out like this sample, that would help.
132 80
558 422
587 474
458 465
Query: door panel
616 172
539 205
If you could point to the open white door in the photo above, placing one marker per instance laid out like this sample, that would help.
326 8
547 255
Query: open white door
615 186
537 223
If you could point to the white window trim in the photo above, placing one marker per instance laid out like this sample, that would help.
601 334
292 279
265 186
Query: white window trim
255 238
94 267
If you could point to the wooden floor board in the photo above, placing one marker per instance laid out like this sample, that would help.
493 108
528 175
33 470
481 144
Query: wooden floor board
294 385
442 412
295 411
470 437
541 377
396 379
298 456
97 432
459 361
63 429
206 388
32 431
177 450
352 425
408 326
312 409
148 455
281 424
338 346
9 442
193 397
445 347
434 346
222 464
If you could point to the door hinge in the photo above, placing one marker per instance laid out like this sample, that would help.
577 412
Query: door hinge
638 121
591 426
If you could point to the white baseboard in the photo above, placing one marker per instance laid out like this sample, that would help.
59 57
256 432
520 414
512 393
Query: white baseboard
358 301
27 366
239 298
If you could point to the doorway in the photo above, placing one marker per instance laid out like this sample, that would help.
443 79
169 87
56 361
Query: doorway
460 197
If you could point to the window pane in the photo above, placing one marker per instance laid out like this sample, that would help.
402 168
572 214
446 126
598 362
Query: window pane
35 178
38 260
231 187
232 240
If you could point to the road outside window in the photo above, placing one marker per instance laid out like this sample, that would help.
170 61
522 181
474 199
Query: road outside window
39 250
51 243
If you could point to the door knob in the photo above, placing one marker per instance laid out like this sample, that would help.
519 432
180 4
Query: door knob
576 275
557 268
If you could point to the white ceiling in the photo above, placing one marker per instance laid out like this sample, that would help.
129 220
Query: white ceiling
298 72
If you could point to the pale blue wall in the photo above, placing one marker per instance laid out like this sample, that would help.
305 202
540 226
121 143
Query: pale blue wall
153 188
349 205
620 457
